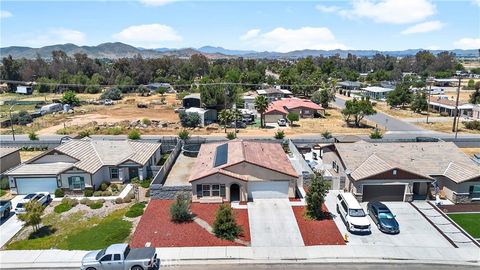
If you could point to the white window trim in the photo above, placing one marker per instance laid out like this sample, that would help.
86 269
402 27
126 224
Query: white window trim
118 172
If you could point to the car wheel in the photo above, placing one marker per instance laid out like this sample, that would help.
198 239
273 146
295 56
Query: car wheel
137 267
91 268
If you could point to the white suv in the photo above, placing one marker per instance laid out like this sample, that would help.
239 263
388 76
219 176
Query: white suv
352 213
43 198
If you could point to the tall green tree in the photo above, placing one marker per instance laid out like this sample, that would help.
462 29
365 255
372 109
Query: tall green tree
475 96
400 96
10 70
357 109
293 117
261 105
69 97
33 215
225 225
419 103
323 97
225 117
316 193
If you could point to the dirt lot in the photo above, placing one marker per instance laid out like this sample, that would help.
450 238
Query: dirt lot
446 127
470 151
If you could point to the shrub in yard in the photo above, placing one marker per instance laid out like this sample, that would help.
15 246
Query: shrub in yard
279 135
85 201
135 210
4 183
316 197
376 134
96 205
62 208
118 200
70 201
112 93
180 210
59 193
103 186
231 135
88 192
127 200
134 135
225 225
97 193
114 187
33 136
474 125
101 200
107 193
326 134
184 135
146 121
146 183
84 133
444 114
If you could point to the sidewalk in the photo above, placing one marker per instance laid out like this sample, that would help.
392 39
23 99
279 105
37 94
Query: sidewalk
24 259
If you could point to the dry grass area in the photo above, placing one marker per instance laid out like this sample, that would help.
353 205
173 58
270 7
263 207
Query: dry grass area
446 127
470 151
401 113
26 155
452 94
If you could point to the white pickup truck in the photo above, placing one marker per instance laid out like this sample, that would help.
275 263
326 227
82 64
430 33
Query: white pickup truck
121 257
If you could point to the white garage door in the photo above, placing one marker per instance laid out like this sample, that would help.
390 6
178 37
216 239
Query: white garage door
273 118
31 185
268 190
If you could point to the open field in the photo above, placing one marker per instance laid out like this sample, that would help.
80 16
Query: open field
446 127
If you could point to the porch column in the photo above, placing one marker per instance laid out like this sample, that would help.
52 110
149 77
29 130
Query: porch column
120 174
140 173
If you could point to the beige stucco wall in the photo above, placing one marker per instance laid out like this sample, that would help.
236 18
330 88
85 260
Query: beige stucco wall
220 179
262 173
9 161
451 188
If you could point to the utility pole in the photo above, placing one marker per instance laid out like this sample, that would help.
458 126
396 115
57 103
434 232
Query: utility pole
455 126
11 122
430 82
225 90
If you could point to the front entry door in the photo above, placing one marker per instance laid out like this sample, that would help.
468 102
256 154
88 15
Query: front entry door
132 172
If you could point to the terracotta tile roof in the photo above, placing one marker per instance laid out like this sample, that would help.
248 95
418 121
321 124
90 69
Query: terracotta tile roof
264 154
425 159
286 104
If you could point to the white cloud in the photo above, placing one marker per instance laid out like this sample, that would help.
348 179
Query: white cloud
476 2
148 35
250 34
57 36
327 9
284 40
423 27
5 14
387 11
156 3
467 43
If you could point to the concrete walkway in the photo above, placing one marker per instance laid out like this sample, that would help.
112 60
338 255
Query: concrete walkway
11 226
445 225
61 259
273 224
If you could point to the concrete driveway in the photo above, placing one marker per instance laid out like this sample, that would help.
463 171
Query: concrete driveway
273 224
415 230
11 226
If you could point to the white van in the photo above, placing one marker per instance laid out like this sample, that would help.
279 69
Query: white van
436 91
352 213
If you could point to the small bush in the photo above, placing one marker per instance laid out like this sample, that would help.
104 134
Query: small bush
33 136
135 210
88 192
473 125
101 200
146 121
114 187
231 135
70 201
183 134
107 193
146 183
84 133
97 193
225 225
444 114
376 134
112 93
85 201
4 183
180 209
96 205
62 208
59 193
134 135
279 135
326 134
103 186
127 200
118 200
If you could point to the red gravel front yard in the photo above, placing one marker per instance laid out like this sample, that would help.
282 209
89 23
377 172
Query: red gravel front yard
156 227
317 232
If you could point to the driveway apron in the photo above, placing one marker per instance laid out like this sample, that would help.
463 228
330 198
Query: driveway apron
273 224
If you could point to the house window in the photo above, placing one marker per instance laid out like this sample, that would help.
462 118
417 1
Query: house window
475 192
214 190
206 190
76 182
335 166
306 111
113 173
394 172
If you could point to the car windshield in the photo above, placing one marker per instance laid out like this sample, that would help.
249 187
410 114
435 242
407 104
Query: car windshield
127 250
100 254
3 202
385 215
19 205
356 213
29 196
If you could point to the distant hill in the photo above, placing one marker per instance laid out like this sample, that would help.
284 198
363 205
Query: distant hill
119 50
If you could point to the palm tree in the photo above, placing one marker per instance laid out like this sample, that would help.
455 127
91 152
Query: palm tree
261 105
225 117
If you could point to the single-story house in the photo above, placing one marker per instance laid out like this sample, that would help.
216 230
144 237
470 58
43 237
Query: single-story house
376 92
23 89
86 163
249 102
274 93
240 170
207 116
280 108
349 85
445 105
445 82
476 112
403 171
192 100
9 158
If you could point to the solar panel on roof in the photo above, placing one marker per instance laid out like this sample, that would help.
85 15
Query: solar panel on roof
221 155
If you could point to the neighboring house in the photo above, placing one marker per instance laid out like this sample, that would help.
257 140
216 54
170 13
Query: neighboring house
207 116
403 171
349 85
9 158
249 102
241 170
26 90
445 82
274 93
347 139
78 164
192 100
448 106
476 112
280 108
376 92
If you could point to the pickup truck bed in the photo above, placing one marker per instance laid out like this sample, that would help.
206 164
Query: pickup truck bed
140 254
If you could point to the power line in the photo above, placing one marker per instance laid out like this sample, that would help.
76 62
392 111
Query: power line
138 85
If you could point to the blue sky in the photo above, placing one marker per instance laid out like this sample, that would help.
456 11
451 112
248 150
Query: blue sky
253 25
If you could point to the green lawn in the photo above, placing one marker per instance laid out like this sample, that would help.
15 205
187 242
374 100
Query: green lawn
2 192
469 222
74 232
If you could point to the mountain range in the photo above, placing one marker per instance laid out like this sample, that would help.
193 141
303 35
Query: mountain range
117 50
